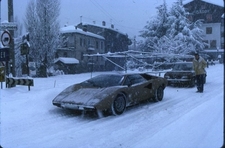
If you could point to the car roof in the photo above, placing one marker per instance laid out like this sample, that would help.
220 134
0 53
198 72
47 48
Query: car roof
183 63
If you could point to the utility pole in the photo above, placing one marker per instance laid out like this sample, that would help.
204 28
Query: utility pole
12 51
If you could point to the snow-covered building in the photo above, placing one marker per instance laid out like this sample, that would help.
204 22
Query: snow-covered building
75 44
115 41
90 39
212 15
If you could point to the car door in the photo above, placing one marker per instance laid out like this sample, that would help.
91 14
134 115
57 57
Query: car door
136 88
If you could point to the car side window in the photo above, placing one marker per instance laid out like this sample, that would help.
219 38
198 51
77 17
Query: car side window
134 79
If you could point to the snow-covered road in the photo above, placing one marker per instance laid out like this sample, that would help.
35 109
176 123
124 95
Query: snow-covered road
184 119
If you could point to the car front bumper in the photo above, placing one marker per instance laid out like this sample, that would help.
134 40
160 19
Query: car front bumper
74 106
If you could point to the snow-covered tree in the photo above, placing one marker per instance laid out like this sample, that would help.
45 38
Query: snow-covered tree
43 27
171 31
186 36
17 42
156 28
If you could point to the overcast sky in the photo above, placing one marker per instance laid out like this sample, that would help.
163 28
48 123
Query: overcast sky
128 16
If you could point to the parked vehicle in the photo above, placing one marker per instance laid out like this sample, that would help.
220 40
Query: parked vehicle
111 92
182 74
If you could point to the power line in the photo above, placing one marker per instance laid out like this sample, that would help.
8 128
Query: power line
102 9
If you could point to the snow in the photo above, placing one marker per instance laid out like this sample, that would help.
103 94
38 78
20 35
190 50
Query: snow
67 60
183 119
71 29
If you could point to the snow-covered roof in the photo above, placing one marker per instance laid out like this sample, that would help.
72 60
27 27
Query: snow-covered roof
73 29
106 27
218 3
66 60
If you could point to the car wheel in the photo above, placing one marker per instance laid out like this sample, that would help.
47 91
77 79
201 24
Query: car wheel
118 105
159 93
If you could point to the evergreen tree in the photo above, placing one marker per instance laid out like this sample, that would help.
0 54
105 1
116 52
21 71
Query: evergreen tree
185 36
171 31
156 28
43 27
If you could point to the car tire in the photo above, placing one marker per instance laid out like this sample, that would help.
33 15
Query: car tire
159 93
118 105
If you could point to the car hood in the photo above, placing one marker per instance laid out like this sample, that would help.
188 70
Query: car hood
84 96
179 73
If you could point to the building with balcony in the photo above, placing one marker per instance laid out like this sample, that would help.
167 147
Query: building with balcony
75 43
115 41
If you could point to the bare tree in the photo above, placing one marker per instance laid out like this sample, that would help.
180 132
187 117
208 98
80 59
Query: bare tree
43 27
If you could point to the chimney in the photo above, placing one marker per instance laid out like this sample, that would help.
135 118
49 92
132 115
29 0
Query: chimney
103 23
84 28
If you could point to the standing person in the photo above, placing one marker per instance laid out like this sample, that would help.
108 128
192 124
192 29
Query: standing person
199 65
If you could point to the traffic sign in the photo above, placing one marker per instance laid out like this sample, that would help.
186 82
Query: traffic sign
8 26
4 54
5 38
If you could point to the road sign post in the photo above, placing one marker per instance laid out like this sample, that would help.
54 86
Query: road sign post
8 26
6 38
2 75
4 54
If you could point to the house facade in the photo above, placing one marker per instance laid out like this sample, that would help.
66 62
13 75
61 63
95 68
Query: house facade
83 41
75 43
115 41
212 16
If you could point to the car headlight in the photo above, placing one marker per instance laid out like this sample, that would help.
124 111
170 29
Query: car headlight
166 77
184 77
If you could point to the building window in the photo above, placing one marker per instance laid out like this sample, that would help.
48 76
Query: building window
65 54
70 41
82 56
213 43
97 45
203 7
209 17
208 30
206 43
84 42
102 45
89 42
56 55
222 34
81 42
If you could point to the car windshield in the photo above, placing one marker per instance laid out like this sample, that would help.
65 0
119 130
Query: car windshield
105 80
183 67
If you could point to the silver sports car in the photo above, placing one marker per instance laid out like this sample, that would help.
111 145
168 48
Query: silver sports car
111 92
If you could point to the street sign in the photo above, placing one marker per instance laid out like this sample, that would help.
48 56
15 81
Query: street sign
8 26
6 38
12 82
4 54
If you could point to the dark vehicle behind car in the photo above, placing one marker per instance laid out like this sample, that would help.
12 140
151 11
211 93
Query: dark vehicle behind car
182 74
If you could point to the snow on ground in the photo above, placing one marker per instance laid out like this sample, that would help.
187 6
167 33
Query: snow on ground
184 119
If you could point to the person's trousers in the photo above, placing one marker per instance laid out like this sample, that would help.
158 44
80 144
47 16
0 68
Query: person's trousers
200 82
